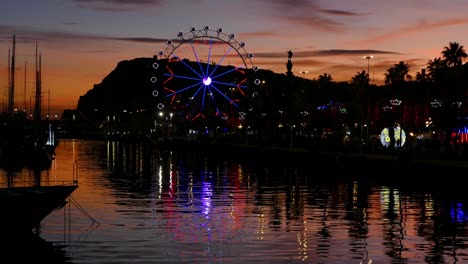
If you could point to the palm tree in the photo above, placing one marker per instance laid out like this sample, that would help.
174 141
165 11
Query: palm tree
435 66
361 79
422 76
454 54
397 74
449 81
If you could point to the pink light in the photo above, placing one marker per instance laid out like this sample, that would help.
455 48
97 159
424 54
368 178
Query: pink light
206 81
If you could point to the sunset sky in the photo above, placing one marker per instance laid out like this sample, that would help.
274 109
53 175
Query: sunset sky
81 41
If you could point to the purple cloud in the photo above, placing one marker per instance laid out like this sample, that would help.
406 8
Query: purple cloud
116 5
309 14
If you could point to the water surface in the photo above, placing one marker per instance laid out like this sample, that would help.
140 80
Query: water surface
139 205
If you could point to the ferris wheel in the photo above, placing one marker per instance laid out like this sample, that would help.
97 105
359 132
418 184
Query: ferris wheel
206 73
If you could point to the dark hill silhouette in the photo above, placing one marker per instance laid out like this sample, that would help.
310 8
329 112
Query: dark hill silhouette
128 87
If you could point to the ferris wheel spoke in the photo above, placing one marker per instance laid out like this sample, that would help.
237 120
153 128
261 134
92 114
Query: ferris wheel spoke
209 57
231 101
203 99
240 86
197 59
213 99
223 83
190 68
183 89
194 95
224 73
183 77
221 60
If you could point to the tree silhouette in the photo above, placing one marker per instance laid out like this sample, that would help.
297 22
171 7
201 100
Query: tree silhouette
435 68
422 76
454 54
361 79
397 74
325 78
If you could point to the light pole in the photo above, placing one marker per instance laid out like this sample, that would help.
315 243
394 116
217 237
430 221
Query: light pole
291 136
368 63
368 110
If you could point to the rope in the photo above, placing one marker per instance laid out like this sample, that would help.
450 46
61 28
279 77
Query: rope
82 209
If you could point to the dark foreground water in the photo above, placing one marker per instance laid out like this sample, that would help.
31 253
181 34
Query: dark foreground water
136 205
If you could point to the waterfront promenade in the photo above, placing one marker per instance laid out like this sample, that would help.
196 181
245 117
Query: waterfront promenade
300 154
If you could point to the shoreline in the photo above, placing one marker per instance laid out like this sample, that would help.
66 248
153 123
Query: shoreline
397 158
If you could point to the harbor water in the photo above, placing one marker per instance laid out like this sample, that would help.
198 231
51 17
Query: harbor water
139 204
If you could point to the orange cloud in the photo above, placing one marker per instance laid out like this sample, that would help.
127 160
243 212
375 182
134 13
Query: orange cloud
421 26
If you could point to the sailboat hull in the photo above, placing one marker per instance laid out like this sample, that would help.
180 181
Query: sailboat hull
23 208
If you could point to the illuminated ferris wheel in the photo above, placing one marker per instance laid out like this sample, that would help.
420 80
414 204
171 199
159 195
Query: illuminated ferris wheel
206 73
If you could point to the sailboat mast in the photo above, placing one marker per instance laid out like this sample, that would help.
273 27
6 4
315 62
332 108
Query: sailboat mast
37 106
48 104
5 102
11 92
24 93
40 88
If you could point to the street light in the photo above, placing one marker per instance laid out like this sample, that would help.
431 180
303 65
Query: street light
368 110
368 63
